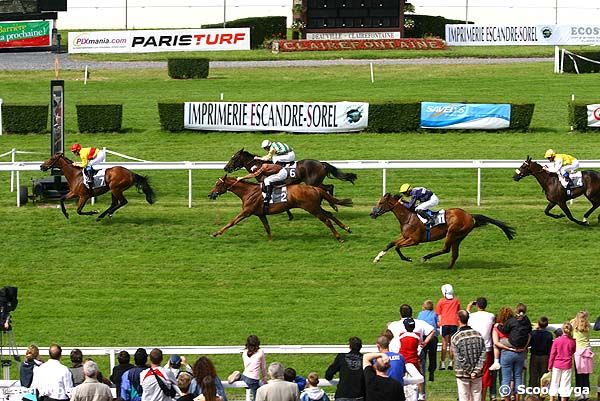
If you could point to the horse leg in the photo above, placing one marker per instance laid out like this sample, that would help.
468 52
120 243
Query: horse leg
62 203
114 203
547 211
589 212
122 202
337 221
319 215
399 243
265 222
290 215
455 247
329 190
450 240
232 223
82 201
566 210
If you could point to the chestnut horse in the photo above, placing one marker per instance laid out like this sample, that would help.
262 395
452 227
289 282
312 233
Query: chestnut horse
117 179
557 195
298 196
458 225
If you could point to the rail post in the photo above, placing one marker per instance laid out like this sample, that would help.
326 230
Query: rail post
189 187
13 153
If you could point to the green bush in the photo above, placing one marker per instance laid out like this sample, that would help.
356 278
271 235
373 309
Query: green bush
261 28
520 116
578 117
583 66
188 68
25 118
428 25
99 117
394 117
171 116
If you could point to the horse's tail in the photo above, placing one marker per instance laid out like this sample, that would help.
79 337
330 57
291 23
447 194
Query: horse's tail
142 183
481 220
334 172
333 200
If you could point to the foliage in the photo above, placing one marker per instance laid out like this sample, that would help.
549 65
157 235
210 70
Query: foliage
24 118
187 68
520 116
260 28
99 117
428 25
394 117
578 117
171 116
577 63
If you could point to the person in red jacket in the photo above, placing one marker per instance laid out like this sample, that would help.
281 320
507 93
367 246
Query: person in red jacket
447 309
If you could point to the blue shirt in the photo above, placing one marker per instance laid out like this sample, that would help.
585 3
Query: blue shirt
419 194
430 317
397 368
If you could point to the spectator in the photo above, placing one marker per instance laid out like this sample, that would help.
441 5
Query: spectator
277 389
483 322
447 308
541 344
202 368
518 329
209 390
503 315
255 365
380 387
29 365
91 389
124 365
183 382
409 343
584 357
422 328
176 362
53 380
560 363
397 368
76 368
99 376
469 357
289 375
351 386
430 350
131 389
158 383
313 392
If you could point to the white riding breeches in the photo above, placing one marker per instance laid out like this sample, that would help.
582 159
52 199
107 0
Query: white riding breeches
287 158
569 168
280 176
434 200
100 157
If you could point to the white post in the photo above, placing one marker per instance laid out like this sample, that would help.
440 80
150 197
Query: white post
372 76
85 75
18 192
562 61
478 186
572 100
190 188
1 116
556 59
112 359
384 180
222 96
12 173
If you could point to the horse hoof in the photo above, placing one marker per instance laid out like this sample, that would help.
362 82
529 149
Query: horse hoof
334 208
424 259
216 234
376 260
408 259
340 240
348 230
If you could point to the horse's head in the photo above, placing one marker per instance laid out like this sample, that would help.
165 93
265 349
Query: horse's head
384 205
236 162
52 162
524 170
221 186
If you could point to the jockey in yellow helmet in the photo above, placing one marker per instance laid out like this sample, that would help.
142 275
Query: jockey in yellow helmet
89 157
563 164
426 198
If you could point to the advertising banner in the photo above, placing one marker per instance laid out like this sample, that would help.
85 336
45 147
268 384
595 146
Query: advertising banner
351 35
24 34
464 115
503 35
271 116
159 40
360 44
593 111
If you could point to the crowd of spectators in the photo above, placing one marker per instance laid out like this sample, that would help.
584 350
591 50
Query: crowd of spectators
487 354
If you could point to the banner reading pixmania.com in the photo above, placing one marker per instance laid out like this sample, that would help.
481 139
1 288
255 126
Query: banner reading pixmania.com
24 34
502 35
159 41
270 116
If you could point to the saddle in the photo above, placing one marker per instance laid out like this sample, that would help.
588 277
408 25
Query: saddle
99 180
279 194
438 218
576 180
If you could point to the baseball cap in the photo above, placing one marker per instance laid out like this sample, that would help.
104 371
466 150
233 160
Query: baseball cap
448 291
175 360
409 324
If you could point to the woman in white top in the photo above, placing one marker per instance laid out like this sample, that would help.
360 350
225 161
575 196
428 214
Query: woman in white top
255 365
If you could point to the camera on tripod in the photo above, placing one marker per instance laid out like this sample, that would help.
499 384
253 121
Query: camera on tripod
8 303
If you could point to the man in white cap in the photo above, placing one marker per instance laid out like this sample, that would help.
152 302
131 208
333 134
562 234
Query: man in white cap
447 309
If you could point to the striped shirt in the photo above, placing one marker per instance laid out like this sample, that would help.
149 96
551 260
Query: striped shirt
280 148
469 352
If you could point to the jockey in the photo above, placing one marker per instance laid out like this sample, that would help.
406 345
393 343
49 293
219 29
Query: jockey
426 198
281 154
563 165
89 157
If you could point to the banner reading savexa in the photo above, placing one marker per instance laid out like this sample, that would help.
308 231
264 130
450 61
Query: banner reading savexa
159 40
24 34
272 116
464 115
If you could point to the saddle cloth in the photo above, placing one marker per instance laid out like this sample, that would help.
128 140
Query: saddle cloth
98 179
576 179
439 218
279 194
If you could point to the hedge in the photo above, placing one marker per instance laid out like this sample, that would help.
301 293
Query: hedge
99 117
31 118
583 66
383 117
187 68
261 28
578 117
428 25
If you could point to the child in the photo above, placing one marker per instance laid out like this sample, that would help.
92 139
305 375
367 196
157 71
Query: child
561 362
430 350
541 344
289 375
313 392
409 348
447 309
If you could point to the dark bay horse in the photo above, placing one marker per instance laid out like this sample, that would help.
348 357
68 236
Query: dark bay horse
557 195
298 196
458 225
117 180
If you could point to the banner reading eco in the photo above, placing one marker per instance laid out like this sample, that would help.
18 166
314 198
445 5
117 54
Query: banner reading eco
502 35
159 40
271 116
24 34
464 115
593 111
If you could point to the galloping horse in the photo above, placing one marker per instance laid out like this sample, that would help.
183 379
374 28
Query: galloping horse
298 196
116 180
458 225
557 195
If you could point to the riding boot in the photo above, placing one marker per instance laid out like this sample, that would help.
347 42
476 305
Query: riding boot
268 192
89 172
426 215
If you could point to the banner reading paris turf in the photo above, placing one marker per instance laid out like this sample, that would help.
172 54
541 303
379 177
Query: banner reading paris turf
271 116
24 34
464 115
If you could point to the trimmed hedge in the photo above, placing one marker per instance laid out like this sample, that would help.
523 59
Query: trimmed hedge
23 119
171 116
99 117
578 117
261 28
428 25
188 68
583 66
520 116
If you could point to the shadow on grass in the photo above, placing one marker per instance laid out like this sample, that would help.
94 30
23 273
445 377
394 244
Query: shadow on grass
442 264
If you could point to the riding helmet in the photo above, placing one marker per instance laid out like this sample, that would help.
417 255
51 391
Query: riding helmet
549 153
265 144
75 147
405 188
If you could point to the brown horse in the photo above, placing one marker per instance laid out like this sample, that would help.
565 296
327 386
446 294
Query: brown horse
117 180
557 195
298 196
458 225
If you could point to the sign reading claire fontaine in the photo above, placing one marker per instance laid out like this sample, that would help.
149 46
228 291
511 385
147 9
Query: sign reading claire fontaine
275 116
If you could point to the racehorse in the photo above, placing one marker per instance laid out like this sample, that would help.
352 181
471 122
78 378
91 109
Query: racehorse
298 196
557 195
116 180
458 225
